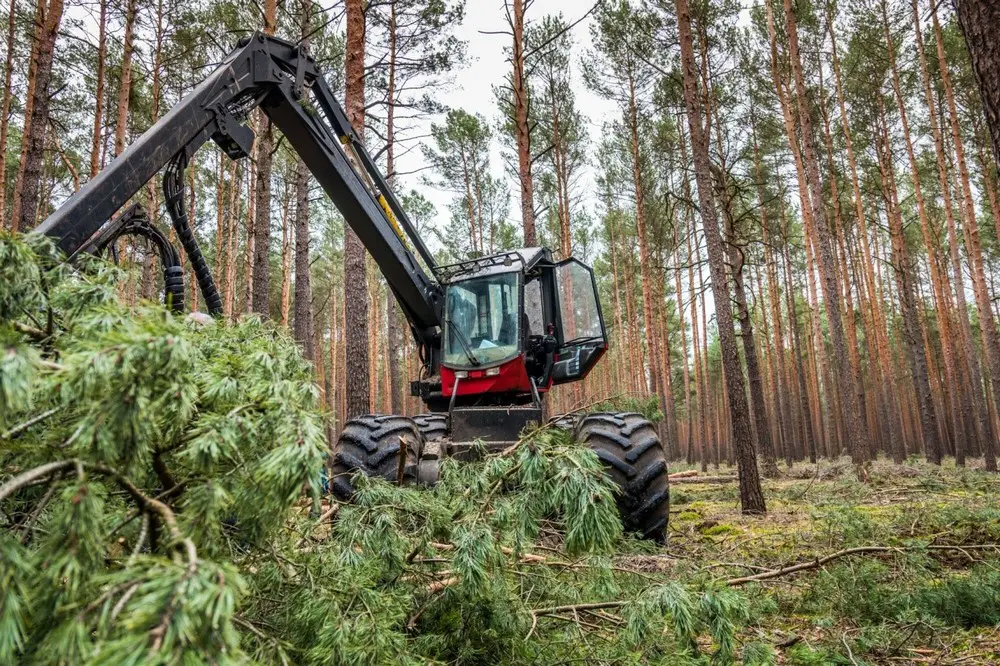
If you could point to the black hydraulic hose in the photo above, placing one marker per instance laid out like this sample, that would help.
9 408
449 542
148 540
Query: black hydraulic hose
173 192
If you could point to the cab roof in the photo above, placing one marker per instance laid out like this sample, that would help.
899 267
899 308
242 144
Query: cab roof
523 259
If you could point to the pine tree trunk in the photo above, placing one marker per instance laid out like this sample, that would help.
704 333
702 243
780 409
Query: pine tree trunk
15 208
928 419
876 329
840 232
286 258
229 241
522 132
396 342
948 343
355 276
683 443
261 219
192 207
751 495
987 324
978 20
857 434
737 262
125 86
645 276
302 316
33 143
102 54
808 440
8 72
302 313
770 466
711 408
903 268
820 416
699 375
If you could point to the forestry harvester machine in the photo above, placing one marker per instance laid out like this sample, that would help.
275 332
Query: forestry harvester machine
494 333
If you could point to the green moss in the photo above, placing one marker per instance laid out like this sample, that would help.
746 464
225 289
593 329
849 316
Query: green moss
721 528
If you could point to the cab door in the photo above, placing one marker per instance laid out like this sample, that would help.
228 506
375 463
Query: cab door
582 336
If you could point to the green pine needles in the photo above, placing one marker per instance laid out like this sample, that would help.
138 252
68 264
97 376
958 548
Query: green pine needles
161 490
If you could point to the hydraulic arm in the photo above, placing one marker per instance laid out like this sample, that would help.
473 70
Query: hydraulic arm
282 80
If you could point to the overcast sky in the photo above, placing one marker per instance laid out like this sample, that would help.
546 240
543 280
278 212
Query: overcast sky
485 67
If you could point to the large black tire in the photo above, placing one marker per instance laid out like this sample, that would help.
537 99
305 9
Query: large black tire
372 444
433 426
631 451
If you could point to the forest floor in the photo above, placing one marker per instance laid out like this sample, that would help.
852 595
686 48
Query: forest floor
930 596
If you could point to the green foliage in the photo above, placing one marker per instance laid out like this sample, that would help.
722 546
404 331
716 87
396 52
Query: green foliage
156 487
968 601
648 406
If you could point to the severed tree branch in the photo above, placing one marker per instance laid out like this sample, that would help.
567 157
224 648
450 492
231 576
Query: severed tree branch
860 550
145 501
19 430
569 608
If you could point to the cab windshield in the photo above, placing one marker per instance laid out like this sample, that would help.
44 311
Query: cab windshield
482 325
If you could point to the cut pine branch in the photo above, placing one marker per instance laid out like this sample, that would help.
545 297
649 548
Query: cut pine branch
859 550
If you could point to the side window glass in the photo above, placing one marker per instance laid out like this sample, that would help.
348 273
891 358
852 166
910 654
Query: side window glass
533 307
578 306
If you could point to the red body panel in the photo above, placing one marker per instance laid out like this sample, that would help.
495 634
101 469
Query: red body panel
512 378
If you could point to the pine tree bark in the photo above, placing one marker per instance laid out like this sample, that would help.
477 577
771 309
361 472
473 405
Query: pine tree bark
700 381
522 132
125 87
948 338
645 274
987 323
978 20
847 303
770 466
876 322
808 427
261 221
303 285
857 434
15 208
355 276
751 495
396 343
822 417
737 261
621 345
286 259
903 270
928 419
684 443
102 54
33 143
302 314
8 72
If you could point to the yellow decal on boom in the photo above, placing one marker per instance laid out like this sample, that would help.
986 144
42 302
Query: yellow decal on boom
392 218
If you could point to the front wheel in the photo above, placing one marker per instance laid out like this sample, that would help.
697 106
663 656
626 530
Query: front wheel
432 425
384 446
630 449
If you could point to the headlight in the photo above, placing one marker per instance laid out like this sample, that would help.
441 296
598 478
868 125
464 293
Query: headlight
461 374
493 372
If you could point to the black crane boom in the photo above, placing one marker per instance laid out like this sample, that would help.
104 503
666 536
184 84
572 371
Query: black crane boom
279 77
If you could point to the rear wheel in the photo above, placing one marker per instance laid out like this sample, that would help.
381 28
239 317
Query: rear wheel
630 449
432 426
373 444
